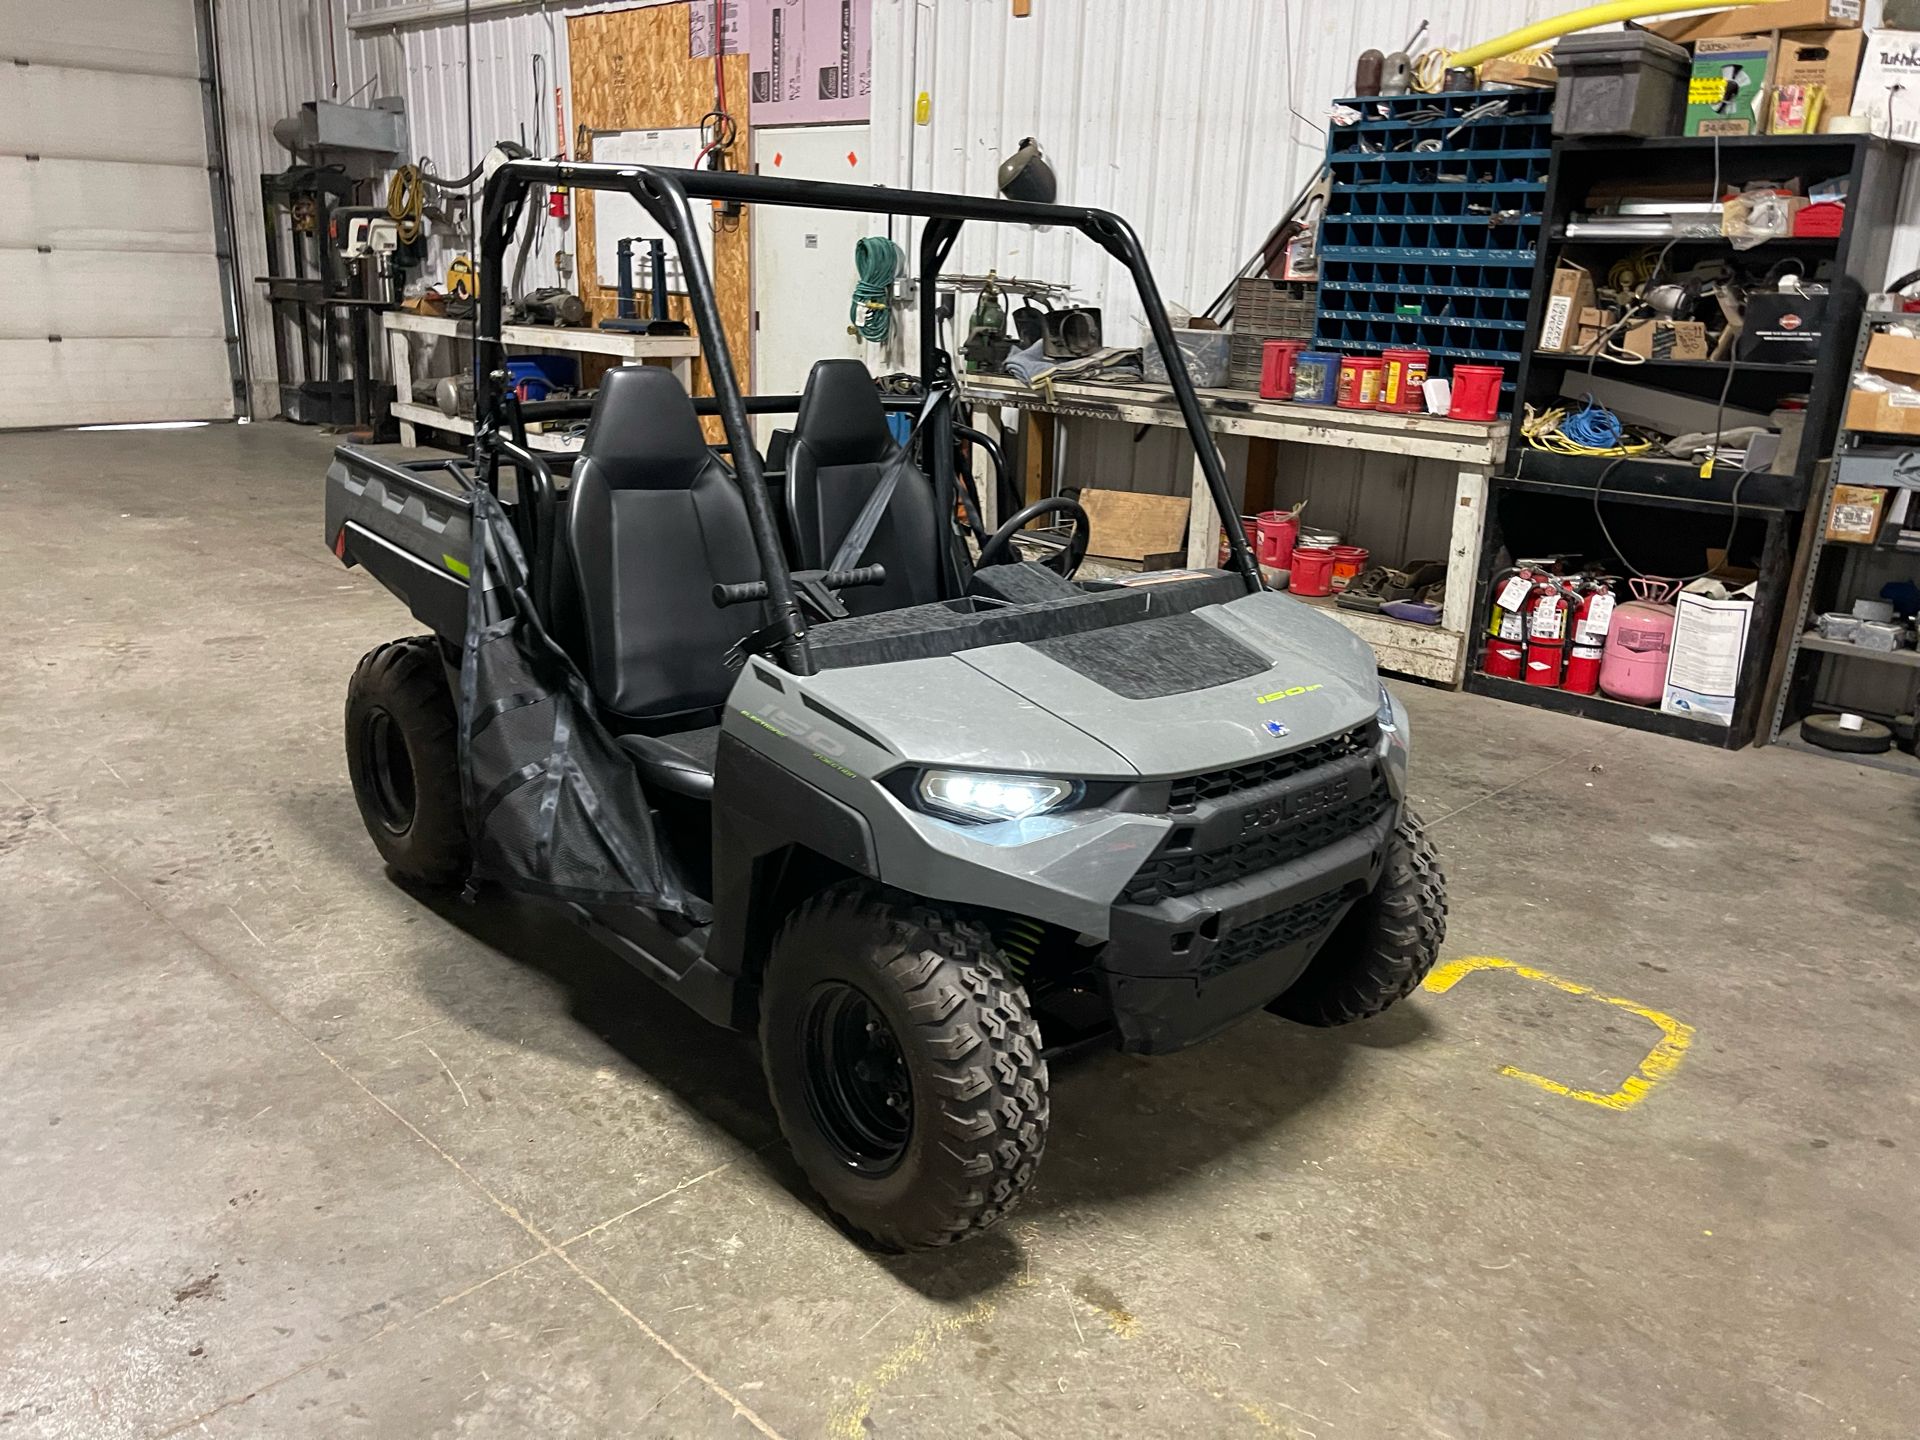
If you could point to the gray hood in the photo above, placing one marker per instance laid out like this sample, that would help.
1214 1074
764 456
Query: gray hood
1013 707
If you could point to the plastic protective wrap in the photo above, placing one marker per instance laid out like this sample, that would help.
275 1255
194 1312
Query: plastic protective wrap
553 805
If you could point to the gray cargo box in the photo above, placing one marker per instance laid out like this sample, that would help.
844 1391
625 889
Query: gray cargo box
1620 83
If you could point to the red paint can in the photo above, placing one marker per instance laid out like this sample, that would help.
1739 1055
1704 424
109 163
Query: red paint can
1312 570
1276 368
1401 381
1348 561
1476 392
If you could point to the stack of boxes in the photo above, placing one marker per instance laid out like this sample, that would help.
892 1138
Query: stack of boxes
1786 68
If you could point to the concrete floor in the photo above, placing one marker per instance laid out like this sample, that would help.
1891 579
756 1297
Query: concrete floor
287 1151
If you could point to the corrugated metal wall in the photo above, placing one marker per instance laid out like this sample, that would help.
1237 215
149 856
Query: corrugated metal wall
280 53
267 66
1197 120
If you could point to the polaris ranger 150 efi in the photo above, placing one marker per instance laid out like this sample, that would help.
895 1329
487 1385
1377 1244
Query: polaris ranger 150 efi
923 814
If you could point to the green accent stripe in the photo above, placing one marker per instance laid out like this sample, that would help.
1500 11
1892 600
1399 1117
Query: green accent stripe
454 565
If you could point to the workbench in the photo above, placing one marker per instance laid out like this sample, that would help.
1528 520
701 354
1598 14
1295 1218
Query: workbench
1475 449
630 349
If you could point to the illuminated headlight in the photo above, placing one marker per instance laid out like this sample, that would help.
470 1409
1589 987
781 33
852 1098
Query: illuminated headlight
964 795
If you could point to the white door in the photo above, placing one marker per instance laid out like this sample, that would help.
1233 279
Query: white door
109 286
803 266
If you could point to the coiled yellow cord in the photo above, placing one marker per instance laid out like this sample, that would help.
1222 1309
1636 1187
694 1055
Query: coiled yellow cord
406 195
1542 431
1430 66
1430 70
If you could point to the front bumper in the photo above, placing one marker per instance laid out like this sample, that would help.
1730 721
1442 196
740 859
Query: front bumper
1186 966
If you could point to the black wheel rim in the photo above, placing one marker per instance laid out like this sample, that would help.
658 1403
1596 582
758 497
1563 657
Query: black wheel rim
389 770
858 1089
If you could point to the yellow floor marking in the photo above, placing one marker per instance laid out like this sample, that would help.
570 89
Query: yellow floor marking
849 1422
1660 1063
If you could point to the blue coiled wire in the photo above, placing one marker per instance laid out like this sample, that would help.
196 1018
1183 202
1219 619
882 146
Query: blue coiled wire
1594 428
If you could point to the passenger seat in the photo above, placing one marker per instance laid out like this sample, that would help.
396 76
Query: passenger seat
840 449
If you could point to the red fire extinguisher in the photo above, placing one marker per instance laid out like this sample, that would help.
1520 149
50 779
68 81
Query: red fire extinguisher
1553 601
1506 627
1590 624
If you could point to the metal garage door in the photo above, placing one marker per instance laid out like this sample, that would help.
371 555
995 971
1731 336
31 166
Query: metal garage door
110 289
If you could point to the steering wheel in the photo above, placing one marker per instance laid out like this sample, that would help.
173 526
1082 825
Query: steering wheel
999 550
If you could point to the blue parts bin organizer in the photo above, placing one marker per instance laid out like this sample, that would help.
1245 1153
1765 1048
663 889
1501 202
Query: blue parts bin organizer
1433 248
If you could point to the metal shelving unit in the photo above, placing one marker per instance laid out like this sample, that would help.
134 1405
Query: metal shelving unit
1837 571
1451 231
1544 503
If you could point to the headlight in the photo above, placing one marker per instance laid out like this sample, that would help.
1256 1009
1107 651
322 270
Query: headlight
1385 713
967 795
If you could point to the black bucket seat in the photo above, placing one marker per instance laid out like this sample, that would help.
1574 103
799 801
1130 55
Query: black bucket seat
839 452
654 520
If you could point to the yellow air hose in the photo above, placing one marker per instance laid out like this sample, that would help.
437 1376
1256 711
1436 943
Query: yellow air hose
1585 19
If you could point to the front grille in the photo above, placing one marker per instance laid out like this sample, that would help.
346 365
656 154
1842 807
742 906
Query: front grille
1190 790
1182 873
1273 932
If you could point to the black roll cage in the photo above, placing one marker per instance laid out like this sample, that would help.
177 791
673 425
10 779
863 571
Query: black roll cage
663 193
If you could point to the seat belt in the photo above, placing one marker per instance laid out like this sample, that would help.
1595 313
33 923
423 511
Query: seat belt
854 544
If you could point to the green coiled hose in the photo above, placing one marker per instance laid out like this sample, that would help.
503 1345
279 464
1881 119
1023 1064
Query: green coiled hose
880 262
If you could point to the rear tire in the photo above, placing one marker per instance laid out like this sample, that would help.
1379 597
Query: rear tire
403 757
904 1064
1386 943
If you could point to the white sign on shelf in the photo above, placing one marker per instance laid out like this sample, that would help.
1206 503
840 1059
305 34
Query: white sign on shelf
617 216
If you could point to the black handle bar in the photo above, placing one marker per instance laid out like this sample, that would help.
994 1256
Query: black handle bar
725 595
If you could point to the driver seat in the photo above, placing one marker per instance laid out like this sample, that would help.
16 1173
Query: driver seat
840 449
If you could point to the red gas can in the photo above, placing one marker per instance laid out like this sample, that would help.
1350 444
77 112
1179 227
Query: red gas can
1634 667
1276 368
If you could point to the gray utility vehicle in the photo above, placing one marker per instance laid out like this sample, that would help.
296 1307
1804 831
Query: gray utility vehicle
927 816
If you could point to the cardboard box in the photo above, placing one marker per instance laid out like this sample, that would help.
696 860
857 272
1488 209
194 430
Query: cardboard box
1593 324
1667 340
1727 94
1754 19
1884 93
1856 513
1897 355
1813 75
1878 411
1127 525
1570 296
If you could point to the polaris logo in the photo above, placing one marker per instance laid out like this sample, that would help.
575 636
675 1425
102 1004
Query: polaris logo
1298 806
1276 729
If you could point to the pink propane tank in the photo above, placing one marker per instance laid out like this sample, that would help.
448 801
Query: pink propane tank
1634 667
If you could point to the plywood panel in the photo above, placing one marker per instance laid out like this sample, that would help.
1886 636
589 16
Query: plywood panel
1398 507
631 71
